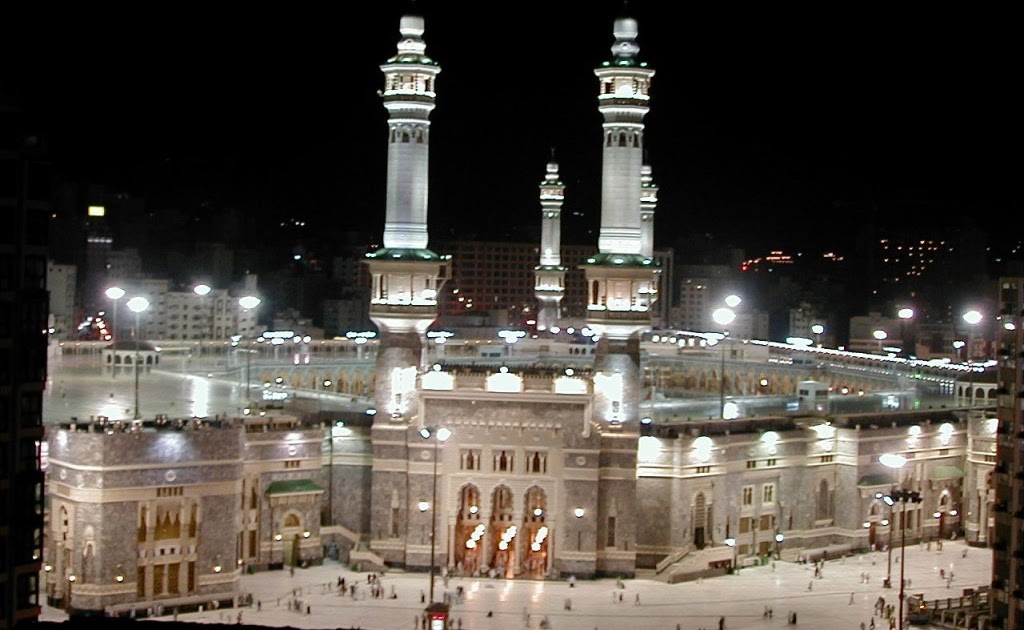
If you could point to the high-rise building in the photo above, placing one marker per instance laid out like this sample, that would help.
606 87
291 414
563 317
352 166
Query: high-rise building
1008 475
23 323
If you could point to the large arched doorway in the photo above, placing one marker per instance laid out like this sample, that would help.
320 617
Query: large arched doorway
469 532
700 521
502 552
535 533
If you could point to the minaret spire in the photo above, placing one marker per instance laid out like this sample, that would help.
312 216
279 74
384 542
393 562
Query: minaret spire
621 276
406 275
550 274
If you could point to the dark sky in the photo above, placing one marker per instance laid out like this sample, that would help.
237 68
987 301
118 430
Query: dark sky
761 119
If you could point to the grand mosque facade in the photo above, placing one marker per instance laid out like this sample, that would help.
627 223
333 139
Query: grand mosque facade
539 472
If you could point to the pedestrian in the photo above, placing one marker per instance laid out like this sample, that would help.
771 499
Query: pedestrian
721 623
851 600
871 626
810 585
862 626
259 605
636 600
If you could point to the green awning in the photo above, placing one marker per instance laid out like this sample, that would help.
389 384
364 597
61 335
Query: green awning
878 479
946 472
294 486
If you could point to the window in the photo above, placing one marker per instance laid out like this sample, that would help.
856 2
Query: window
768 493
827 459
503 461
769 462
748 495
469 459
751 463
703 470
537 462
611 532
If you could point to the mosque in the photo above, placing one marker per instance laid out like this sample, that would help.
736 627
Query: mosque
536 473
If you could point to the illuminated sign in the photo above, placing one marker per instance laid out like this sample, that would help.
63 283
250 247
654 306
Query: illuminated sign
97 211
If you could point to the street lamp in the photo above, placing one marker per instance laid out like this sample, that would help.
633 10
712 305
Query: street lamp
202 290
723 317
904 497
115 294
896 462
71 581
778 545
440 435
880 335
906 314
817 329
731 542
972 318
247 303
137 305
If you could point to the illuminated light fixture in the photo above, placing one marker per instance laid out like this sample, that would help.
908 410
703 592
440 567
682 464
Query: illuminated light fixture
537 511
423 506
277 537
952 512
914 431
473 509
579 512
702 446
945 433
779 537
305 534
892 460
97 211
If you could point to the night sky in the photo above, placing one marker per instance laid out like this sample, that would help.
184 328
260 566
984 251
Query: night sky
763 122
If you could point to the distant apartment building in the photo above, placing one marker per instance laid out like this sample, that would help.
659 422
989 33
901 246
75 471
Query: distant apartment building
179 313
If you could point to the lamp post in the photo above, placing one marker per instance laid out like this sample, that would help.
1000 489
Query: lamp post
972 318
578 513
817 329
723 317
906 314
202 290
731 542
896 462
247 303
904 496
137 305
71 581
440 436
880 335
115 294
778 545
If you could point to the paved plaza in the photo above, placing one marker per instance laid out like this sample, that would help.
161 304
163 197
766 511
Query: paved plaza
839 599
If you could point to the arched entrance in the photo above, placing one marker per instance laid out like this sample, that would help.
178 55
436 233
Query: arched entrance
469 532
700 521
292 535
535 534
502 552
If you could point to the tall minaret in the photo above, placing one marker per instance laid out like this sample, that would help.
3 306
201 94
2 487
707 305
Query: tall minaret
620 290
406 275
550 274
621 276
406 280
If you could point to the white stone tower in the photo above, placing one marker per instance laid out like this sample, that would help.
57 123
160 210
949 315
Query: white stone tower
407 277
549 273
621 286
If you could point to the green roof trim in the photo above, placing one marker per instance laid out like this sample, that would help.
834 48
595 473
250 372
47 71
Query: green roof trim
293 486
879 479
397 253
946 472
621 260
